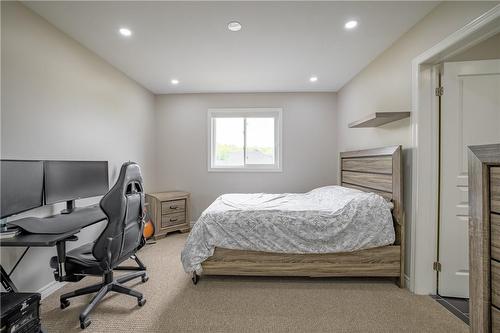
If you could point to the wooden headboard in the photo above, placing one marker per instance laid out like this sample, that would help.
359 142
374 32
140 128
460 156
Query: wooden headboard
377 170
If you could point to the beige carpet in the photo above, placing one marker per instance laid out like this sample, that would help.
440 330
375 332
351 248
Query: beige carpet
242 304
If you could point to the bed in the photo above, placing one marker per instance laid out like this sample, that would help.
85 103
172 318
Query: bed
378 252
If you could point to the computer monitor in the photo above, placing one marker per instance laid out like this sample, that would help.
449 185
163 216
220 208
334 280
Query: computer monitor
71 180
21 186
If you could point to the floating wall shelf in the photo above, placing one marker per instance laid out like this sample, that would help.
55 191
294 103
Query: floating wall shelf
378 119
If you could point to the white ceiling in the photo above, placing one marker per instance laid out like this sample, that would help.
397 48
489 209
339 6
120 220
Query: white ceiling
281 44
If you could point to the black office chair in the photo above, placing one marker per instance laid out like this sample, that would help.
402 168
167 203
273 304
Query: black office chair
122 237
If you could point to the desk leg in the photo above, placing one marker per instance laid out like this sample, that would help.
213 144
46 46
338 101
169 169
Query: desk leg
61 259
7 283
19 260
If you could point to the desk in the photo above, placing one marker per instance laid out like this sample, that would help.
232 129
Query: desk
84 217
61 223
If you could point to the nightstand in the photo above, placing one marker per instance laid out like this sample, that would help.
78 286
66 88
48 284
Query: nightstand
169 211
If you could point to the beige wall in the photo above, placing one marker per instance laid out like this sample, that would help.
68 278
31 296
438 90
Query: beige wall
61 101
385 85
309 155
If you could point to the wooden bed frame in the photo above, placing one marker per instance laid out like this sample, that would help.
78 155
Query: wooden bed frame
374 170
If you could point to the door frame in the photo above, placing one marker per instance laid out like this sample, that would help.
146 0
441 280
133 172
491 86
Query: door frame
425 149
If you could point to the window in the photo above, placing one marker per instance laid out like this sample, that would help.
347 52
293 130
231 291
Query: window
244 139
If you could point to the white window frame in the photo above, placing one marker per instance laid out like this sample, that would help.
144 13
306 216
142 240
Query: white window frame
275 113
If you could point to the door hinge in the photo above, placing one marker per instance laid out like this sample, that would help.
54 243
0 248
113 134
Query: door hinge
436 266
439 91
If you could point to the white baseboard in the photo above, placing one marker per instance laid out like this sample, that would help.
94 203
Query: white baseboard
50 288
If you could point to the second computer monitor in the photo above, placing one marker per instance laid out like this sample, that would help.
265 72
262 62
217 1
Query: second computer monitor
71 180
21 185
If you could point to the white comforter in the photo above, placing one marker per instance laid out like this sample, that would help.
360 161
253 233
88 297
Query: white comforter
325 220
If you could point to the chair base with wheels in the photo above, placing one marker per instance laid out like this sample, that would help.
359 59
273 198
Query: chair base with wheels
101 289
122 237
80 263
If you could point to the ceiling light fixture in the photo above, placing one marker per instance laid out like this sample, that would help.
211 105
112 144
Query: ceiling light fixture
125 32
313 78
351 24
234 26
174 81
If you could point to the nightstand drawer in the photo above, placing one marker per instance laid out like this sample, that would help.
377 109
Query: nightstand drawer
173 219
495 283
174 206
495 236
495 319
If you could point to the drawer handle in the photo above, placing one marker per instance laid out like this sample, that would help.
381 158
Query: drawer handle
173 220
174 207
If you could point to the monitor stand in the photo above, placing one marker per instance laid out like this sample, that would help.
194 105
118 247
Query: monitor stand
70 207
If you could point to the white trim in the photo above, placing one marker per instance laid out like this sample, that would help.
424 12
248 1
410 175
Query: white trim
459 41
276 113
423 245
50 288
244 169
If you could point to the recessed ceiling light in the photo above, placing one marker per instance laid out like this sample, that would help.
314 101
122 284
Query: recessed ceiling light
174 81
125 32
313 78
351 24
234 26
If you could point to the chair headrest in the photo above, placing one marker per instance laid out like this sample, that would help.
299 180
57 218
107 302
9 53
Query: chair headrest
130 172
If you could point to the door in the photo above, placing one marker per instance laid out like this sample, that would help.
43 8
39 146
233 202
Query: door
470 115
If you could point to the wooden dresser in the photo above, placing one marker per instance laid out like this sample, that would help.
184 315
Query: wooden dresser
484 238
169 211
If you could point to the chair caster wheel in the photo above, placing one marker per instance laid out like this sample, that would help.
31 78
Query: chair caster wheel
144 279
141 301
195 278
84 324
64 304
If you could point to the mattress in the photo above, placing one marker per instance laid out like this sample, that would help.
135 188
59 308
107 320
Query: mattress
329 219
